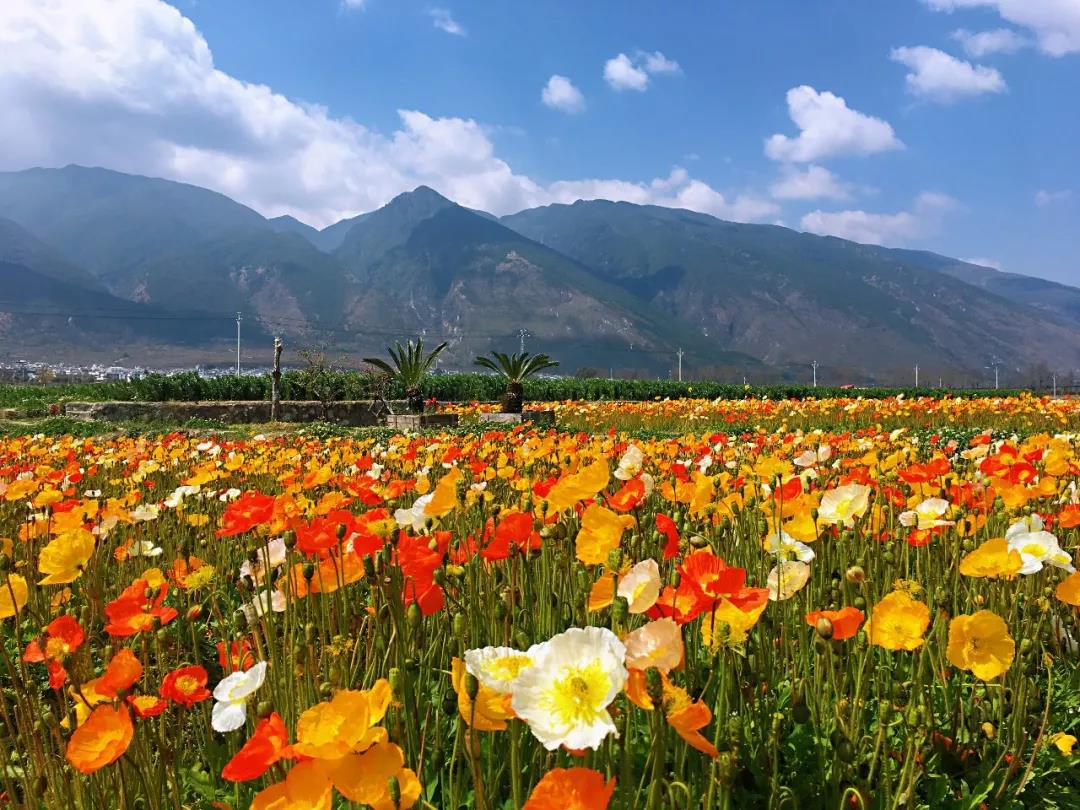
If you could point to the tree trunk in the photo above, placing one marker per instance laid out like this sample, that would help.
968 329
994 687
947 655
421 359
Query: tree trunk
514 398
275 384
415 399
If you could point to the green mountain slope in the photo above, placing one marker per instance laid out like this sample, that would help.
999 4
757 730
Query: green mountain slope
791 297
424 263
109 221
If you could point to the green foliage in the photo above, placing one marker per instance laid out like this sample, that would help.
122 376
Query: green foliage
343 385
409 364
517 367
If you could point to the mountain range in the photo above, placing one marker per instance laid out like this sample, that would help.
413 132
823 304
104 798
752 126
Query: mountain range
109 266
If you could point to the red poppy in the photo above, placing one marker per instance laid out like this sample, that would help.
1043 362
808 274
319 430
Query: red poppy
133 611
712 579
186 686
631 494
245 513
268 744
146 705
62 637
515 529
418 564
235 656
666 526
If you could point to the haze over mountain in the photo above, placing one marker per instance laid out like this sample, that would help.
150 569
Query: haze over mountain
600 284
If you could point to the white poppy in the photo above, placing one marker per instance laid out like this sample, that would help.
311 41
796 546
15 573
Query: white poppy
640 586
414 517
785 545
630 464
497 668
564 696
231 696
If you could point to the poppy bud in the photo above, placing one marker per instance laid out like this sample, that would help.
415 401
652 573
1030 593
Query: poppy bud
413 615
395 679
325 688
194 612
614 559
5 563
263 709
500 610
290 539
855 575
824 628
394 789
449 702
800 712
459 625
472 686
654 685
369 567
309 571
620 609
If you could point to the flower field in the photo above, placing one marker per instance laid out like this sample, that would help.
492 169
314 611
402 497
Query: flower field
824 603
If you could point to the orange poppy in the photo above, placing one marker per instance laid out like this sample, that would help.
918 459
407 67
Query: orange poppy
571 789
101 740
845 622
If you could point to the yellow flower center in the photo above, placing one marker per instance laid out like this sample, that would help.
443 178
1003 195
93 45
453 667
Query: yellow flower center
577 697
508 667
186 684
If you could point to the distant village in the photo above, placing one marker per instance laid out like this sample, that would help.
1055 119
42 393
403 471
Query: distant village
40 373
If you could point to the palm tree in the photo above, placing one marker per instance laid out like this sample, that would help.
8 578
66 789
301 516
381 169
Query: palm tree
515 369
409 365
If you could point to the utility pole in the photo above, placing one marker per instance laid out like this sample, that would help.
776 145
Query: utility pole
522 334
814 366
1053 379
680 353
916 375
994 365
239 317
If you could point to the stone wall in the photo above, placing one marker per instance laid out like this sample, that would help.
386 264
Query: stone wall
356 413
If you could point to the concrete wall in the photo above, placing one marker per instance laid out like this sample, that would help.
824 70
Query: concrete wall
357 413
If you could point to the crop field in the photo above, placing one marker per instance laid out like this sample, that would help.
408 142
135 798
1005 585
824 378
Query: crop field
693 603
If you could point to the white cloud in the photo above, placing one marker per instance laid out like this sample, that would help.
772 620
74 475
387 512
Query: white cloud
812 183
938 76
131 85
993 264
924 219
1044 197
352 3
560 94
442 19
1055 23
656 62
677 190
828 127
624 73
986 43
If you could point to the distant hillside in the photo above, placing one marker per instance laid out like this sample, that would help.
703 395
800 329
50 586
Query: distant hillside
790 297
424 263
599 284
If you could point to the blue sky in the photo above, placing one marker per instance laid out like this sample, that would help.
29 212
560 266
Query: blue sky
949 125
